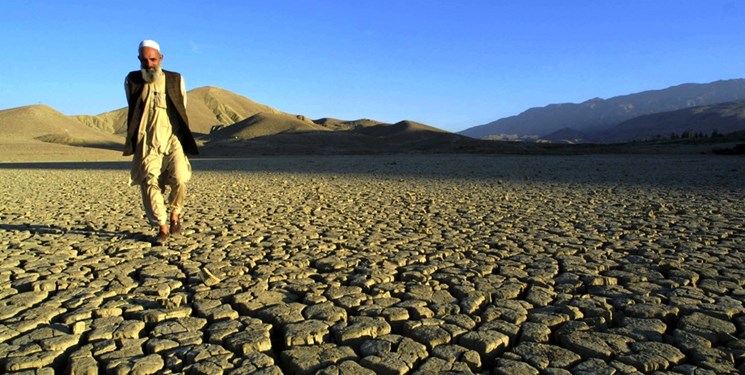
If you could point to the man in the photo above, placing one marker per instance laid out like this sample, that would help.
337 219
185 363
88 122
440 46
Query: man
158 137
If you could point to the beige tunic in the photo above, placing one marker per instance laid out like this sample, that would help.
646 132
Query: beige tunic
156 137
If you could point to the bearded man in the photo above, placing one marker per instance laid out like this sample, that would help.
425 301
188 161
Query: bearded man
158 138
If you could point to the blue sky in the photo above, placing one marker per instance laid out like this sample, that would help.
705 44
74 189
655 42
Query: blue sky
450 64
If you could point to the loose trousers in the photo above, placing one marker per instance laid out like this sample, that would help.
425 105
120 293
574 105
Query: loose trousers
160 171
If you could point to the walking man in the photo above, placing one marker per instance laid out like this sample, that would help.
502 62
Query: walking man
158 138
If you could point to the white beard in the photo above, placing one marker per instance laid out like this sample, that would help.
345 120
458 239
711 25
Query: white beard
151 76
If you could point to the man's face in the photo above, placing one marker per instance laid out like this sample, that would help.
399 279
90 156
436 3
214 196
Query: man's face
150 59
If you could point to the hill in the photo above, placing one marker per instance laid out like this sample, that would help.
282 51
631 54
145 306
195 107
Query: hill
595 116
415 136
39 132
264 124
206 107
227 123
336 124
273 134
209 106
43 123
114 122
719 118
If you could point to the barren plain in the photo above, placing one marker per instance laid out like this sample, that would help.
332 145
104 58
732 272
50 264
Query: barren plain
410 264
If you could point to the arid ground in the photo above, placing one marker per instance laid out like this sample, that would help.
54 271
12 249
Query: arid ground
587 264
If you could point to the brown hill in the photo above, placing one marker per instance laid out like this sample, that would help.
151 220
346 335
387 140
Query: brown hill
206 107
209 106
403 129
266 124
114 122
38 132
246 128
413 136
42 122
265 134
336 124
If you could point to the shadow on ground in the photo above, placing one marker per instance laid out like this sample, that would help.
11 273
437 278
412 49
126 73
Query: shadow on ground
607 170
85 231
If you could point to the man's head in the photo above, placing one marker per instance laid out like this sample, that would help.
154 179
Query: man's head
150 59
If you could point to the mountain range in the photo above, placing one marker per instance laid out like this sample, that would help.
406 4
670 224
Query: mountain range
641 116
228 124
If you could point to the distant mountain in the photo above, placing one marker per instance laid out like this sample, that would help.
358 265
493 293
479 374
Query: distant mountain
596 116
722 118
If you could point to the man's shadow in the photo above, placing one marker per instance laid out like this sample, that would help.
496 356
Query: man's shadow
85 230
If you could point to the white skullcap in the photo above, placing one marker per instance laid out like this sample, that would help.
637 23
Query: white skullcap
150 43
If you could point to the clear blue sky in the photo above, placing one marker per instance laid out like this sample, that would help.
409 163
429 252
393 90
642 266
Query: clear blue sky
450 64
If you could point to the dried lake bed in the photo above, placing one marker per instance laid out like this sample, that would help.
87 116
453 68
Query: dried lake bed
403 264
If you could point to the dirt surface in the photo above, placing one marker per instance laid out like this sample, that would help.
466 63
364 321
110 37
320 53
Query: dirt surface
386 264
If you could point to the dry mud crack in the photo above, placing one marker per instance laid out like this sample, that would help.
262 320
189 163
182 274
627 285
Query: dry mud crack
380 265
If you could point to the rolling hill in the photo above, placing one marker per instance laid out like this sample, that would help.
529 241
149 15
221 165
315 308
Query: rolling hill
206 107
336 124
227 124
209 106
282 134
39 132
114 122
43 123
265 124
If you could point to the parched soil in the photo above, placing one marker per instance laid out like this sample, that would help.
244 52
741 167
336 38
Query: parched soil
380 265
